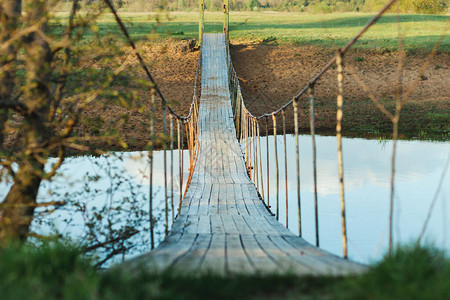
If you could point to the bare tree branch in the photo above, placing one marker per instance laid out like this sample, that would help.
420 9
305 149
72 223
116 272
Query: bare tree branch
372 97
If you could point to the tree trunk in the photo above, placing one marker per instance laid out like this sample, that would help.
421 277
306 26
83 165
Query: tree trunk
10 11
17 210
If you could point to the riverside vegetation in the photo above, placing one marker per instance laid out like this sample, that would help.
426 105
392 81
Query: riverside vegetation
57 270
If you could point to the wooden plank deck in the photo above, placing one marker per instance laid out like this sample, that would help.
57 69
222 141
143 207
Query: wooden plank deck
223 226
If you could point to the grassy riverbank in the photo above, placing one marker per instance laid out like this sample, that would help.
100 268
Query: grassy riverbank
327 30
275 54
60 272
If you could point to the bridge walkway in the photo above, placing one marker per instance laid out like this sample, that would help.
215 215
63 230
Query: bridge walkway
223 225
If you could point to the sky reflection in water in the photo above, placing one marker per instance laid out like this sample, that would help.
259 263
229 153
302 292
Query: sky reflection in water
367 185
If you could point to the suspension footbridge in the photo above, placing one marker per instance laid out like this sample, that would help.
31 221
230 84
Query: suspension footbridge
226 220
223 226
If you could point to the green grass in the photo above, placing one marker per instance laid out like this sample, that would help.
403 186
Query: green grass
58 271
51 272
330 30
409 273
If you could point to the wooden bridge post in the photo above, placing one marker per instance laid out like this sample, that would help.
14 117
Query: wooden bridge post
313 142
150 156
339 115
226 11
201 19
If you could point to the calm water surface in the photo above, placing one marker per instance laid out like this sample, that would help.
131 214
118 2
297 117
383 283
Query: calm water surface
367 185
367 170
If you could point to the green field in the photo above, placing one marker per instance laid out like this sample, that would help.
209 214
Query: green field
330 30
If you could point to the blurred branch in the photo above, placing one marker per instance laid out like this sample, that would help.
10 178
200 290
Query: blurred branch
372 97
16 36
111 241
424 67
433 202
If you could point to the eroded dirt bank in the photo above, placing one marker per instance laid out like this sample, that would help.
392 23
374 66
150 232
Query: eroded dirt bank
270 75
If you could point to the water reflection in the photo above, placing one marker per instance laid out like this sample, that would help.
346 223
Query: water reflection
112 187
97 181
367 183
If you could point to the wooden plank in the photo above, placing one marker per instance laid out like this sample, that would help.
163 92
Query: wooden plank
237 260
191 224
285 263
203 207
277 226
257 256
241 225
255 225
215 256
229 225
162 257
193 258
214 199
239 198
204 224
314 263
223 199
231 201
216 224
339 265
248 202
188 202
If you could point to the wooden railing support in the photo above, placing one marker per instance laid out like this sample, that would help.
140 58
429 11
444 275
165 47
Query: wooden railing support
201 23
226 11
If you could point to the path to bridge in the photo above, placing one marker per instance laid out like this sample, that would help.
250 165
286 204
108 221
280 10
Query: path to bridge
223 225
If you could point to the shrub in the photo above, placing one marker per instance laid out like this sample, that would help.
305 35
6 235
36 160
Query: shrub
429 6
320 8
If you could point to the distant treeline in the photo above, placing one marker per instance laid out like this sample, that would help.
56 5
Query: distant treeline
311 6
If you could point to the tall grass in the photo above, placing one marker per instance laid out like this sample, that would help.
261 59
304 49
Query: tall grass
53 271
59 271
410 272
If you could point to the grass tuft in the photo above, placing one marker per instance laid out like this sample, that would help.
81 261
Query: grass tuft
53 271
410 272
59 271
